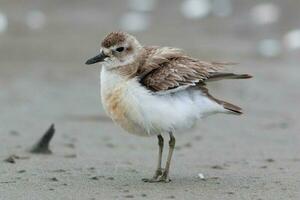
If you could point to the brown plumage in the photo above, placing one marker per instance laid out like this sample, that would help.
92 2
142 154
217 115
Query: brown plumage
150 90
113 39
235 109
166 68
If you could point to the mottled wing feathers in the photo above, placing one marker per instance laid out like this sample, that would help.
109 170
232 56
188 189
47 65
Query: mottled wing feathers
156 57
168 68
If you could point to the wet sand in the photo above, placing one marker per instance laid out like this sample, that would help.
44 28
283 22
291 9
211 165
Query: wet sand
43 80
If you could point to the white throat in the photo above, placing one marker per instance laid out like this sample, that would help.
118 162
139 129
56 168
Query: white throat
109 79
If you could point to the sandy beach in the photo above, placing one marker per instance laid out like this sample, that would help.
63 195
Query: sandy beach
43 80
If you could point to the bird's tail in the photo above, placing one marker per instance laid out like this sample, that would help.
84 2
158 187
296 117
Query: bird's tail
220 76
233 109
230 107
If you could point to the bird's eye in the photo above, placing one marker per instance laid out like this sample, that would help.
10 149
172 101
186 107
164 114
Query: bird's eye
120 49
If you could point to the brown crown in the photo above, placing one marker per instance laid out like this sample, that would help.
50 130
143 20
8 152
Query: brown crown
113 39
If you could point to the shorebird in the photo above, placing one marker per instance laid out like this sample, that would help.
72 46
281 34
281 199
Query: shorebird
152 90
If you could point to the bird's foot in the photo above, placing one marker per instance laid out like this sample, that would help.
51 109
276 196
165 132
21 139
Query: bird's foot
160 176
155 177
164 177
150 180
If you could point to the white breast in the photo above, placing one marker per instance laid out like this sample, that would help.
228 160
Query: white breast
141 112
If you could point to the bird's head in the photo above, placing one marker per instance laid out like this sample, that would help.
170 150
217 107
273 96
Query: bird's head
117 49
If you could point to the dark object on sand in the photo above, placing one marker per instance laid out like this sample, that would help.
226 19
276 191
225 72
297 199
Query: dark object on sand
42 146
10 159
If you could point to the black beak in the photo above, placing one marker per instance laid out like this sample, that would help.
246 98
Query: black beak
96 59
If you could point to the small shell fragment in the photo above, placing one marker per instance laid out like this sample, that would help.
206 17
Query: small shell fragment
201 176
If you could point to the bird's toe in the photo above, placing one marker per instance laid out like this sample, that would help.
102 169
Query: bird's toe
150 180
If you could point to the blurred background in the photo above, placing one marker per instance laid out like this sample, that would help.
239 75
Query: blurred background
44 45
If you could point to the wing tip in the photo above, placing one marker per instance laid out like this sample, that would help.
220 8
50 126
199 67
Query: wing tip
233 108
245 76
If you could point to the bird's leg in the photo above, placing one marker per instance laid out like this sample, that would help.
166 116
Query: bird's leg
159 170
165 175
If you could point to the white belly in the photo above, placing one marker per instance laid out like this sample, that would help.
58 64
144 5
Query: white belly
141 112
